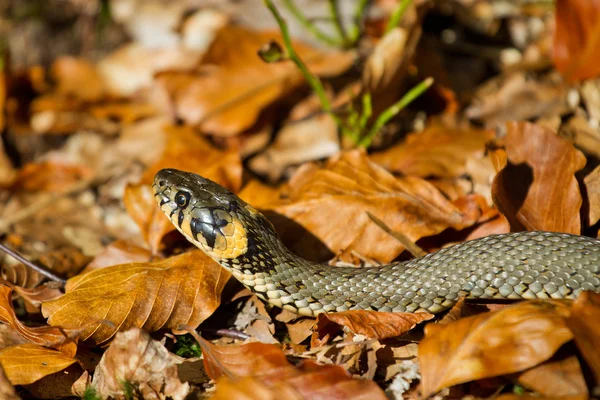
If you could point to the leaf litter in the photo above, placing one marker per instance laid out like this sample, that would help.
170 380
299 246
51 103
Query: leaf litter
342 128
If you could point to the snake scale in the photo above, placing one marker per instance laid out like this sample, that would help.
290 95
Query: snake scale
523 265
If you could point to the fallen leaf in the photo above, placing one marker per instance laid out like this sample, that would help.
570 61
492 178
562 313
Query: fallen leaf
64 340
50 177
24 364
592 192
119 252
267 364
537 190
577 39
509 340
78 78
7 390
341 193
249 388
556 378
372 324
438 151
585 324
229 93
35 296
134 358
180 290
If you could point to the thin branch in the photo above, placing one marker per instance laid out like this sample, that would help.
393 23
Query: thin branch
37 268
309 26
412 247
394 109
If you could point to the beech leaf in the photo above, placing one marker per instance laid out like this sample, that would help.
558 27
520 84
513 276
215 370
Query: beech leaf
26 363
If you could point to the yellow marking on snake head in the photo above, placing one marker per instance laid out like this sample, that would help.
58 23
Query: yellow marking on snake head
231 241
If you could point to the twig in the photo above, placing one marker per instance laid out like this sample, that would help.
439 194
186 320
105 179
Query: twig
233 334
412 247
37 268
309 26
397 15
313 81
393 110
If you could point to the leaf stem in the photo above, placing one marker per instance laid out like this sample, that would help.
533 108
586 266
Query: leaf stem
394 109
337 22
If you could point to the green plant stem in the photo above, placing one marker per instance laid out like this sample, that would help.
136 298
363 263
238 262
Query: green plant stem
313 81
367 111
355 30
309 26
337 22
397 15
393 110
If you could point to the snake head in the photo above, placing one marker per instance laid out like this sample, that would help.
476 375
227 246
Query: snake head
207 214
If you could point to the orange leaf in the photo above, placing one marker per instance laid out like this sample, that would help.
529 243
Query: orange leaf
341 193
556 378
64 340
438 151
24 364
372 324
78 78
509 340
537 189
181 290
577 39
50 177
270 369
119 252
592 191
585 324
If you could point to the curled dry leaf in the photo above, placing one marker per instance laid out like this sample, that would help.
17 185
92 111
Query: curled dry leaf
585 324
576 44
24 364
438 151
64 340
509 340
556 378
331 203
181 290
134 358
592 191
235 86
372 324
537 190
267 364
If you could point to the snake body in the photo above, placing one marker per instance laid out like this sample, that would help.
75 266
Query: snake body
523 265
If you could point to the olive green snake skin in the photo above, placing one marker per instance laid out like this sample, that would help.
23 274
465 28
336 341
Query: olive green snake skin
524 265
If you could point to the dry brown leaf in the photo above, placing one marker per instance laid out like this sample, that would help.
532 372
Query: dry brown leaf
235 86
50 176
556 378
126 112
119 252
332 202
533 396
592 192
7 390
135 358
506 341
249 388
24 364
372 324
180 290
267 364
64 340
577 39
439 151
537 189
37 295
77 77
585 324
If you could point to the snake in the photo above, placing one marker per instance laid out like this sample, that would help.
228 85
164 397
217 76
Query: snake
518 265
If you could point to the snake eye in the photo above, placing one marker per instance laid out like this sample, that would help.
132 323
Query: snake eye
182 199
